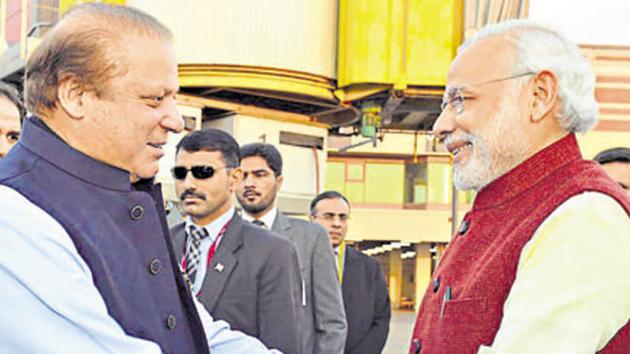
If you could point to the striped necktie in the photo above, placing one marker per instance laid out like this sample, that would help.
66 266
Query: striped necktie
193 251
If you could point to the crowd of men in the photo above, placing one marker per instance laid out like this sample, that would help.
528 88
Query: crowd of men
89 265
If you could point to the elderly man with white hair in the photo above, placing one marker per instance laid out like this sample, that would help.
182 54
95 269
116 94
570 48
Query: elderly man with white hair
539 264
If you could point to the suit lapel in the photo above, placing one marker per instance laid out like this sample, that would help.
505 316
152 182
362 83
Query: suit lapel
281 226
349 269
178 235
223 264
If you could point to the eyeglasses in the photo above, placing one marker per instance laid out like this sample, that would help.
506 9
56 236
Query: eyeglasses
199 172
332 216
455 98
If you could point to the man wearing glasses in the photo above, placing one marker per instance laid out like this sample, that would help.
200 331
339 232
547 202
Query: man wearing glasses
243 274
365 297
539 264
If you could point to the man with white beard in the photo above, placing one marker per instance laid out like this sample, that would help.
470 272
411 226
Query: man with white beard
539 263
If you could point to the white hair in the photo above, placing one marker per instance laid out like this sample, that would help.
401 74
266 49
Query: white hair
538 48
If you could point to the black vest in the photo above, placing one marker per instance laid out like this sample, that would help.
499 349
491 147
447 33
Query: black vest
118 229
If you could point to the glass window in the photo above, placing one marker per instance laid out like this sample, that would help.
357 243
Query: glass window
416 183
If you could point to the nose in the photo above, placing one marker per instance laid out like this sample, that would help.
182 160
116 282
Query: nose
189 181
172 120
444 125
4 147
248 180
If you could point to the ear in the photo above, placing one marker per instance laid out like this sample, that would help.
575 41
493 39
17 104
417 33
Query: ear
311 218
71 95
545 95
279 181
236 176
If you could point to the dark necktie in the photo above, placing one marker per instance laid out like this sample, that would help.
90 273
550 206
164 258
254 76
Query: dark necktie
260 224
193 252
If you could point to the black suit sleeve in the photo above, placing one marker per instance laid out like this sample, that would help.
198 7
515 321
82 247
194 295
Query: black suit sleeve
278 309
374 339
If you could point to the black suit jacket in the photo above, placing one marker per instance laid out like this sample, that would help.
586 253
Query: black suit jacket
367 305
257 291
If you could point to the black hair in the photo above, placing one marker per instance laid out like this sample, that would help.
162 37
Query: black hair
212 140
326 195
10 93
620 154
267 152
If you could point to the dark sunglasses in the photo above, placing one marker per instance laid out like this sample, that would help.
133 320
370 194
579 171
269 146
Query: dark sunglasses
199 172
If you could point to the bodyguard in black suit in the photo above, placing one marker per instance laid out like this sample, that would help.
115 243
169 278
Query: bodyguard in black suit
365 297
241 273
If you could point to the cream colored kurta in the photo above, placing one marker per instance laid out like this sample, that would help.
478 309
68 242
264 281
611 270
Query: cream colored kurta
572 288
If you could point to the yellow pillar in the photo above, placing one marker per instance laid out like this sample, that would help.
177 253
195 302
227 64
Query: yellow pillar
395 278
423 272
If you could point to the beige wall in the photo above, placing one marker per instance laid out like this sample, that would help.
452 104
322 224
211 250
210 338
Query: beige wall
596 141
400 225
168 161
299 170
393 143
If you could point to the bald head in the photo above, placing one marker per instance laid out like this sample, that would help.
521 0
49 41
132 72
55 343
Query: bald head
83 45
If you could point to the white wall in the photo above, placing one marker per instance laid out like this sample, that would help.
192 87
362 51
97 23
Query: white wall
586 21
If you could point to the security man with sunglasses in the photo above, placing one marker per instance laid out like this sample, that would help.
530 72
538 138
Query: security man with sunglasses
242 273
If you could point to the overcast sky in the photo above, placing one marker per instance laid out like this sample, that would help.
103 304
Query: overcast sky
586 21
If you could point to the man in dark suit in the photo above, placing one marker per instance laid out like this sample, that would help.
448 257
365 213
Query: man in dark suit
324 328
365 297
241 273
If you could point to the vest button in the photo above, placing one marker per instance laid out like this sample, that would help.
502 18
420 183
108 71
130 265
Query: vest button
155 267
137 212
436 284
463 227
417 345
171 322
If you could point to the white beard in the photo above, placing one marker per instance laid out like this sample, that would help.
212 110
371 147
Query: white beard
496 148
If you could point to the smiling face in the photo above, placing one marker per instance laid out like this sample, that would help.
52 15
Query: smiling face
257 191
129 124
9 125
488 137
206 199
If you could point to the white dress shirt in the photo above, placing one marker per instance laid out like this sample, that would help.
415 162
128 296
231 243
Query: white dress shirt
268 218
50 304
213 231
571 292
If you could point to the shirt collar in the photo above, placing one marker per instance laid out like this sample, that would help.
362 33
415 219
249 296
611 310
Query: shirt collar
268 218
39 139
214 227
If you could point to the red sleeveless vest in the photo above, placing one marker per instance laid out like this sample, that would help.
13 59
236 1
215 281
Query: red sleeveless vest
480 264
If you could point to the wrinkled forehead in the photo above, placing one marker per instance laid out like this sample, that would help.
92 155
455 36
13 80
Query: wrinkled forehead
488 59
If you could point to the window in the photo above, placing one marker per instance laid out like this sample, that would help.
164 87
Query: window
416 183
